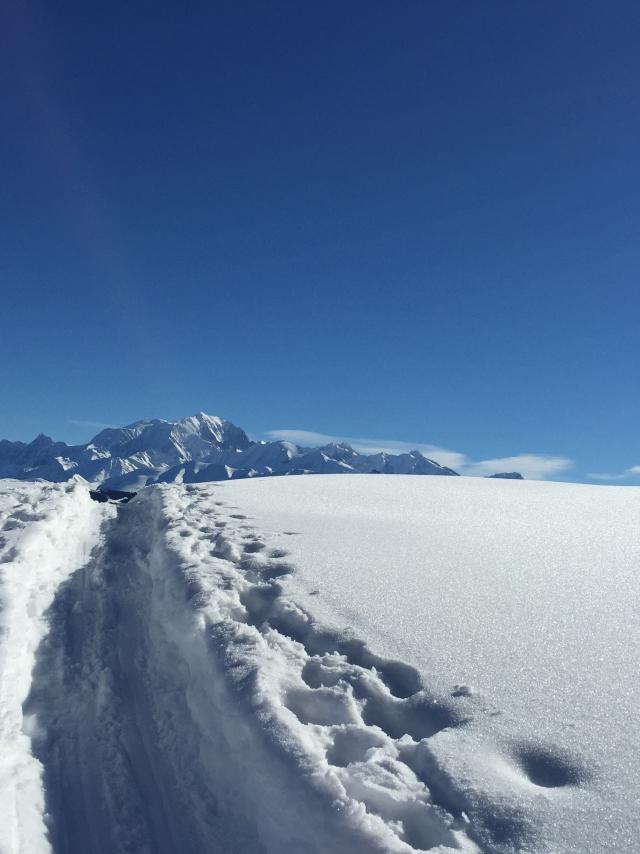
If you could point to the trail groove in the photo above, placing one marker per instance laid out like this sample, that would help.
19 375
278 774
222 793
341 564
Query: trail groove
152 719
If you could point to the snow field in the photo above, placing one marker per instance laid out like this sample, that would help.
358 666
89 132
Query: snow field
518 604
319 664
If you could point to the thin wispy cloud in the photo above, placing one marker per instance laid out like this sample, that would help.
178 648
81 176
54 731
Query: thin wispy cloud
98 425
300 437
627 474
531 466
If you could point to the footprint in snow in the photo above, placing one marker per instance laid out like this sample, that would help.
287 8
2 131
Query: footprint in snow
351 744
549 767
462 691
254 546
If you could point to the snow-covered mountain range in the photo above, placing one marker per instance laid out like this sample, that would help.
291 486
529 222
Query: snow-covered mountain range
194 450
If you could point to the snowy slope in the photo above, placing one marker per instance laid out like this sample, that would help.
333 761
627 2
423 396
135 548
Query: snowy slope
320 665
519 606
197 449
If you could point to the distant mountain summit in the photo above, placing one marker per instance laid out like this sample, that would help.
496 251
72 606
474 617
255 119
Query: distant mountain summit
196 449
173 441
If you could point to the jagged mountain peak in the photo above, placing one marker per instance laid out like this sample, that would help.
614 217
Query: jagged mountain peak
41 441
169 442
339 446
214 429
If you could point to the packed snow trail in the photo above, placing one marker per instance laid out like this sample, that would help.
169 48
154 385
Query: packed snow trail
172 705
127 767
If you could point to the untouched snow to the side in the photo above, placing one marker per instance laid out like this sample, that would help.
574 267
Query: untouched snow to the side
322 665
519 606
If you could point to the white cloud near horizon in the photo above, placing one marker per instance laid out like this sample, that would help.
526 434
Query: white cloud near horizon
632 471
93 424
531 466
300 437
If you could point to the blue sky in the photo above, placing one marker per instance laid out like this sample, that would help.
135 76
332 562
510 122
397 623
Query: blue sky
416 221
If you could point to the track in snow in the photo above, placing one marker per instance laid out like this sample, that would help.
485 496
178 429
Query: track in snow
183 704
118 742
146 720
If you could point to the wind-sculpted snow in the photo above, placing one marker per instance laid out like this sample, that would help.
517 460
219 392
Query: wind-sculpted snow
196 687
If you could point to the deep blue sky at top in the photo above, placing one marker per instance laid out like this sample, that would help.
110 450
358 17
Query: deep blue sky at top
410 220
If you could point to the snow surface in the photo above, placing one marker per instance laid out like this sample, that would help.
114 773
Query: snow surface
320 664
519 606
46 532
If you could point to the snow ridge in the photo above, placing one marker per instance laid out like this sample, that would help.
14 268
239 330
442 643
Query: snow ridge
37 552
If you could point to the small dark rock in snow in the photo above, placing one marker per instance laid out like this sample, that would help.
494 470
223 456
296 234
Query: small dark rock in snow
103 495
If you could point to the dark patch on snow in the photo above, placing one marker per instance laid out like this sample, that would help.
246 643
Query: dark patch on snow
550 767
103 495
507 475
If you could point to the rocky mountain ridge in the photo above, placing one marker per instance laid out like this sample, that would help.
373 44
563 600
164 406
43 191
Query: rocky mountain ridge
195 449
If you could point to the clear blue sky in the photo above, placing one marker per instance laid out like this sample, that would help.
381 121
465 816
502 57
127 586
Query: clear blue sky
409 221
